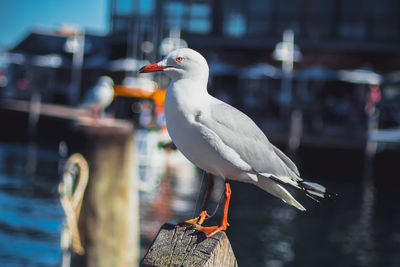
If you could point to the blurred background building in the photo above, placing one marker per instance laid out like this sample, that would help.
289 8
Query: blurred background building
327 32
358 37
234 36
58 63
307 72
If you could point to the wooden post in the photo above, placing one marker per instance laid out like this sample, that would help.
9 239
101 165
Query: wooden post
177 245
109 221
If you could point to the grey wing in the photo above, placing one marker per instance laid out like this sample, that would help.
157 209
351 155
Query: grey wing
286 159
241 134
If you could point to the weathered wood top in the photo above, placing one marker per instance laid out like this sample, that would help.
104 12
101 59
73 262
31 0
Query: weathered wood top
181 245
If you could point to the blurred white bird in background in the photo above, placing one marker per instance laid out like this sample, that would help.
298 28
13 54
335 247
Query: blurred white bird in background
99 97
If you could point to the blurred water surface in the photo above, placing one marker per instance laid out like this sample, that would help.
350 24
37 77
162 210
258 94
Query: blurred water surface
360 228
30 212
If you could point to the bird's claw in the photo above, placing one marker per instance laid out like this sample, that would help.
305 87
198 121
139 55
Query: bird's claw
198 221
212 230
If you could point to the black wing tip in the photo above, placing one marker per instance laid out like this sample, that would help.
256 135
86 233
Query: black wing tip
311 190
331 195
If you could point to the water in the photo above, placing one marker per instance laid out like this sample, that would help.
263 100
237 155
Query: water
355 230
30 212
360 228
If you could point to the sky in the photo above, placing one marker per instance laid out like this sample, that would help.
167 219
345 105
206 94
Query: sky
17 17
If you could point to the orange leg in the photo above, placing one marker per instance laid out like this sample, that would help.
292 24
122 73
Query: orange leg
203 214
212 230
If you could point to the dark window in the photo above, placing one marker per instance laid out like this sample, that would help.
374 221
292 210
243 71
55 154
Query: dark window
120 24
123 7
234 18
143 7
384 19
174 14
200 18
259 17
193 17
352 19
317 19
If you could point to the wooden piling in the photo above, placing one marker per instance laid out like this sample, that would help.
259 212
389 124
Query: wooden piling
109 221
181 245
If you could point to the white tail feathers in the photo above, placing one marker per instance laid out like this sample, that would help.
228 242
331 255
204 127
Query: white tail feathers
288 198
274 188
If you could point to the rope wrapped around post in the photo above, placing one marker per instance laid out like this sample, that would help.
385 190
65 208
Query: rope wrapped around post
71 190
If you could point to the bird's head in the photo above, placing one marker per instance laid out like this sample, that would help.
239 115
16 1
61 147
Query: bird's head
183 63
105 80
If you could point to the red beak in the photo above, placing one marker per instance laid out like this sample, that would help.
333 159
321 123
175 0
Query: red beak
152 68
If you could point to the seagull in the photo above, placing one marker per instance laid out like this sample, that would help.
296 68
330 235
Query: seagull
222 140
100 96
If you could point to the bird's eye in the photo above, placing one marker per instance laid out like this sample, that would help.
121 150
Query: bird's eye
179 59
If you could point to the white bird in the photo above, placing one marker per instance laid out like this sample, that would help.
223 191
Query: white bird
100 96
220 139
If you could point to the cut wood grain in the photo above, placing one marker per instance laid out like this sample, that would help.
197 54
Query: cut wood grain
182 245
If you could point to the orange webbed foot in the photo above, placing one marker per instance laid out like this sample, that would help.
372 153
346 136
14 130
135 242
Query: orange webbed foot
198 221
212 230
